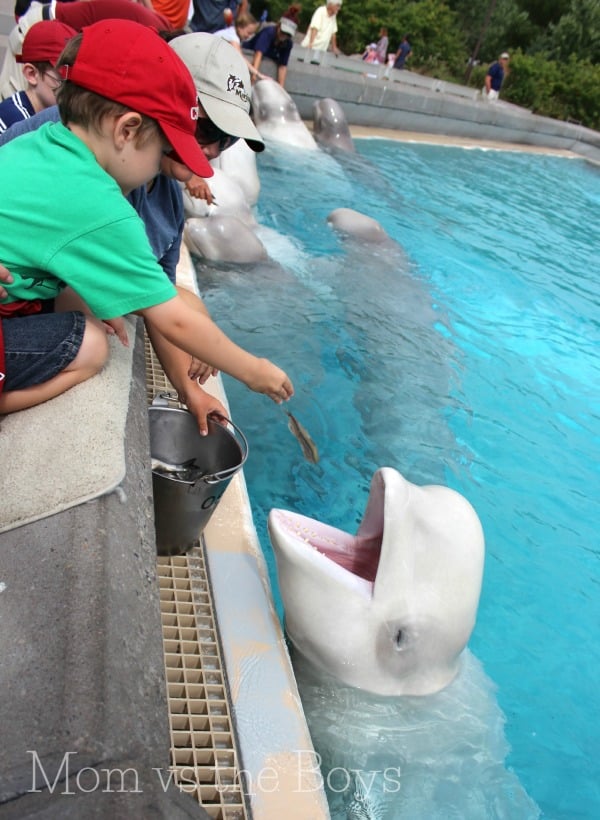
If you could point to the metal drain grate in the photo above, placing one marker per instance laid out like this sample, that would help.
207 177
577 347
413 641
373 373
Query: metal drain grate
204 757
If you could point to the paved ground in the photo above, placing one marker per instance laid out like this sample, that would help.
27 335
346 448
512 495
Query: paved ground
442 139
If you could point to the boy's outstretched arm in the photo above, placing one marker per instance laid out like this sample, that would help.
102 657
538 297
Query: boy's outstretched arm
199 336
176 362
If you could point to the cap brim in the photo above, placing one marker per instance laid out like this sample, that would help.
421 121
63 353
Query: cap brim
232 120
186 149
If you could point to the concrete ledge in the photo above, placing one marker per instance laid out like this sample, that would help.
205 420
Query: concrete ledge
274 741
82 670
411 102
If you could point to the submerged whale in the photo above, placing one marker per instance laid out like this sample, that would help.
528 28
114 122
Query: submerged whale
223 239
420 758
390 609
353 224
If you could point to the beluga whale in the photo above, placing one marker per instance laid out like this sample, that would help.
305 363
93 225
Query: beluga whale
277 118
330 127
389 610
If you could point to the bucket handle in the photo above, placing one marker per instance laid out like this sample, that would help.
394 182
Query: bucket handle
215 478
165 397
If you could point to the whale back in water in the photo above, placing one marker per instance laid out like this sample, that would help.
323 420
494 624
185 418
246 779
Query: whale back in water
223 239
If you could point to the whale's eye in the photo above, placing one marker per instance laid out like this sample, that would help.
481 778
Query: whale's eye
399 640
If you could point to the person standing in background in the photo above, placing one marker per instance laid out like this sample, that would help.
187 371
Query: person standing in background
403 53
209 15
382 45
495 77
323 28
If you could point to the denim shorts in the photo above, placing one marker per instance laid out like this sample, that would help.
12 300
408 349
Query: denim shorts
39 347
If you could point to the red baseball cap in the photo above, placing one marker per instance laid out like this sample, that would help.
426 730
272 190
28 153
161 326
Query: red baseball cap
130 64
44 42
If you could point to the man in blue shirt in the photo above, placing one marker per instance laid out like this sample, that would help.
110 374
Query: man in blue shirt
495 77
403 53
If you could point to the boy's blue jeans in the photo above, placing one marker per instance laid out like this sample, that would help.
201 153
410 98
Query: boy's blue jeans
39 347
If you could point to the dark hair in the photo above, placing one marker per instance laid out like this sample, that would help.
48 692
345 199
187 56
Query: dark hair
293 13
42 65
88 109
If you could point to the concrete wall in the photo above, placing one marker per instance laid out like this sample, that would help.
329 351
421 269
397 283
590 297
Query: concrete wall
410 102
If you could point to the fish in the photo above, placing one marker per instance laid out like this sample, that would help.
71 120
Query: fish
188 472
309 448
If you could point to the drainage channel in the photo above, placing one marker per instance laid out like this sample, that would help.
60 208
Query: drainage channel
204 754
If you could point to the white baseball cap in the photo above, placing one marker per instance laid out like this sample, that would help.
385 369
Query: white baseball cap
223 83
287 26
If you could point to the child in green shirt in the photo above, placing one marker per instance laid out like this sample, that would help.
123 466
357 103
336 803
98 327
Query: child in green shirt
66 228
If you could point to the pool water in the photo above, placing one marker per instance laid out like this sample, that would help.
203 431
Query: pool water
465 354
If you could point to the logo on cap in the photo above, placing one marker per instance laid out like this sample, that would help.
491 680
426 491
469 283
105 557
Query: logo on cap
236 84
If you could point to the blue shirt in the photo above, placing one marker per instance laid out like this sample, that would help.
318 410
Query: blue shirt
208 14
14 109
265 42
161 208
496 72
404 49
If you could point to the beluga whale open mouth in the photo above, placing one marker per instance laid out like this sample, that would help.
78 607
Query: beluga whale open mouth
391 608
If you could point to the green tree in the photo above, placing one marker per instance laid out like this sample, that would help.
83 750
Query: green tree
543 12
577 32
509 26
554 44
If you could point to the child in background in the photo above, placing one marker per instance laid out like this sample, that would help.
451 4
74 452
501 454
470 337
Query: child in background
369 55
238 30
275 41
42 47
68 234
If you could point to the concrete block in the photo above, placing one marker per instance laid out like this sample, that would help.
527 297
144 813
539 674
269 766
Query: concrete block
82 672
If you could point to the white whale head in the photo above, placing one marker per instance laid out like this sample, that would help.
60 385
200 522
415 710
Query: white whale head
276 116
330 127
390 609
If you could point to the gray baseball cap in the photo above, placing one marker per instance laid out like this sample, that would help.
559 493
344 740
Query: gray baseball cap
222 81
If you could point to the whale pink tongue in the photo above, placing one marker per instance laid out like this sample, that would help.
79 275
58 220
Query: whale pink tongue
361 558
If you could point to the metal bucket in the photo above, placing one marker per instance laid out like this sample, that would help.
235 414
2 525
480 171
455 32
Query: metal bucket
190 473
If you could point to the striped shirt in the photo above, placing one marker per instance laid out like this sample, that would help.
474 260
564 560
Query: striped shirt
14 109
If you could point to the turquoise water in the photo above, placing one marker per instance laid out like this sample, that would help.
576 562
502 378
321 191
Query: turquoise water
467 355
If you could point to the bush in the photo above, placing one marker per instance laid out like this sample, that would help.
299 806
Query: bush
565 91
